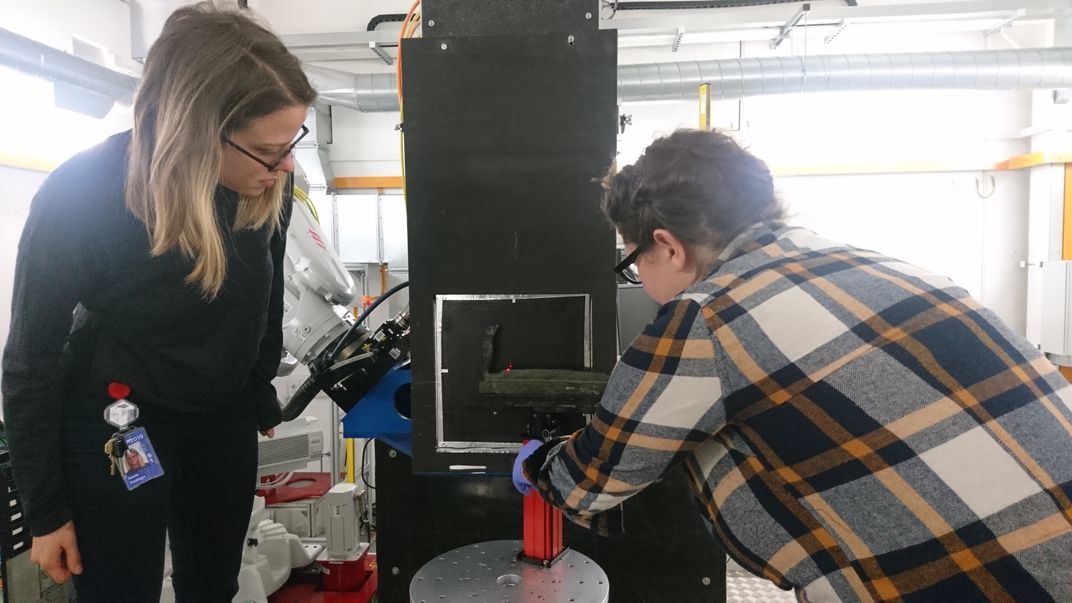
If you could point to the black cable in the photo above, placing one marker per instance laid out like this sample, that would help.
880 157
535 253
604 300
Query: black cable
301 399
312 386
389 18
364 449
379 300
696 4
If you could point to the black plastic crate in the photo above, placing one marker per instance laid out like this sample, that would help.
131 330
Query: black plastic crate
14 534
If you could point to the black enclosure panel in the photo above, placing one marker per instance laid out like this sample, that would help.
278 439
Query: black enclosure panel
506 138
666 555
444 18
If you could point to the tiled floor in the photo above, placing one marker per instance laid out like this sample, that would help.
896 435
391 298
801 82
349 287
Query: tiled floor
743 587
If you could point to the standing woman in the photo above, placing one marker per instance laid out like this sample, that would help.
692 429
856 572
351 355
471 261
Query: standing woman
150 268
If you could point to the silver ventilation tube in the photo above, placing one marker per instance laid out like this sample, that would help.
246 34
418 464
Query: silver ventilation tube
365 92
40 60
737 78
730 78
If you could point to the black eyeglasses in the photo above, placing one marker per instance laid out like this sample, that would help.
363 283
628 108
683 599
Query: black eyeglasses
627 267
282 157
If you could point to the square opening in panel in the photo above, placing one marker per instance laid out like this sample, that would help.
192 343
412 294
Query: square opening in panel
483 342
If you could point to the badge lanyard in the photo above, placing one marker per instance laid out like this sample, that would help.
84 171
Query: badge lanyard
129 450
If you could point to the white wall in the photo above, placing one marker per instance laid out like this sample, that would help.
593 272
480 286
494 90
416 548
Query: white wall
53 22
19 187
366 144
938 221
319 16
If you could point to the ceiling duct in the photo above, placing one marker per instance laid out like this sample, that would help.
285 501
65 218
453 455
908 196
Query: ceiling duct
738 78
695 4
369 92
730 78
313 152
43 61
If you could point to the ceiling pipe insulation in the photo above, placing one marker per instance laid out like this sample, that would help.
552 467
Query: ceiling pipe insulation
369 92
730 78
694 4
43 61
737 78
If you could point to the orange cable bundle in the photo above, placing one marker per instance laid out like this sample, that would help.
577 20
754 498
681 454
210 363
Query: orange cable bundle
407 30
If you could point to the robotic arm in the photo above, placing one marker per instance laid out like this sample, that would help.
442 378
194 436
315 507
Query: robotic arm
317 290
345 359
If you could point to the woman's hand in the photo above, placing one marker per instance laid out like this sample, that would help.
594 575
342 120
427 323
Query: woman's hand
57 553
268 433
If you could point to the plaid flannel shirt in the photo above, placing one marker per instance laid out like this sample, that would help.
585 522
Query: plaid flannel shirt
856 428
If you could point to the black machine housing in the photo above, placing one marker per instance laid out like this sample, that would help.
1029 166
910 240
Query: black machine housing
510 121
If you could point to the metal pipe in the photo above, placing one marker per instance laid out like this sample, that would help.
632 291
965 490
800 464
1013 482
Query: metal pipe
793 21
386 18
695 4
738 78
730 78
368 92
40 60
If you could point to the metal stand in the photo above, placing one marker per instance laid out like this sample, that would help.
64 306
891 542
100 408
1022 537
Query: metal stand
491 572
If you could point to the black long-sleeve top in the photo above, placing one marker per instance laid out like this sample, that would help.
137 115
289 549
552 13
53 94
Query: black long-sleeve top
90 299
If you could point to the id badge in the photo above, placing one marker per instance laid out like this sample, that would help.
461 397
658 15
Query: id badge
139 461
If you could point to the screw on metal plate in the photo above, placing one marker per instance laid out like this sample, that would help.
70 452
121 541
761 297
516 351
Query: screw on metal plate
443 46
706 581
431 22
392 453
588 16
571 40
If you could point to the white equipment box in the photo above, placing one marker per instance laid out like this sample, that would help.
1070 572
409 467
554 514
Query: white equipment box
1057 308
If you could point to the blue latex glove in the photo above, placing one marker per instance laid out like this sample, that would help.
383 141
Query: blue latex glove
523 485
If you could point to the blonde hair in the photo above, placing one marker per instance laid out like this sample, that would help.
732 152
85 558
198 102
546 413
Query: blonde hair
211 72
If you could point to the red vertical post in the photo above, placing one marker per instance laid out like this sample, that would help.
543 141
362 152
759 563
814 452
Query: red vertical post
529 548
542 529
